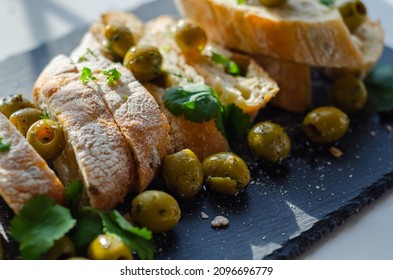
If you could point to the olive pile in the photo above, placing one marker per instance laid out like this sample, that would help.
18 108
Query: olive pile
45 135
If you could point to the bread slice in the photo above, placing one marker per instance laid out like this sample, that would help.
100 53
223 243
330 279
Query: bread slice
23 173
302 31
134 111
102 155
249 92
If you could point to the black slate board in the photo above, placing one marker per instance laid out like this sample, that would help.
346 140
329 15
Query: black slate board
287 207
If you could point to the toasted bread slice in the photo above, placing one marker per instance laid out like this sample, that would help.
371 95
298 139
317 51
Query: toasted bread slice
302 31
134 110
250 91
23 172
101 152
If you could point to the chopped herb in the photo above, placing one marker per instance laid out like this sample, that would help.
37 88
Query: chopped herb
327 2
39 224
229 65
87 53
196 102
4 147
379 85
87 75
113 76
242 124
45 116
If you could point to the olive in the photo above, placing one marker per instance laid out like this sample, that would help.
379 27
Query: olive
189 36
62 249
24 118
225 173
13 103
349 94
47 138
119 39
144 62
354 13
109 247
272 3
269 141
156 210
183 173
325 124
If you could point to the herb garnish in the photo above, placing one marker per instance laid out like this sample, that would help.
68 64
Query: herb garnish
84 57
230 66
379 85
4 147
45 116
113 76
241 1
327 2
39 224
87 75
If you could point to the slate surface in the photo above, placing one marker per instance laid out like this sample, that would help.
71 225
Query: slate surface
287 207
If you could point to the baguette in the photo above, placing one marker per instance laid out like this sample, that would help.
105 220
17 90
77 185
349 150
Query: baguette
102 156
302 31
23 173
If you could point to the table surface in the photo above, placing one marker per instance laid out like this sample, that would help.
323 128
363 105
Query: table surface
27 24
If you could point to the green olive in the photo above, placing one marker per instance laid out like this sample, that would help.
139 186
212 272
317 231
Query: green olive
47 138
13 103
119 39
190 37
354 13
225 173
144 62
24 118
183 173
156 210
269 141
349 94
109 247
62 249
272 3
325 125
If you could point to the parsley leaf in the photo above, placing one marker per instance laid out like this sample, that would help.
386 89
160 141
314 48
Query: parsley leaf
196 102
88 227
379 85
87 75
229 65
327 2
236 120
113 76
138 239
4 147
39 224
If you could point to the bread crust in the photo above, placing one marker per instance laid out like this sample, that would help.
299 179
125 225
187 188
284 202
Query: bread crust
23 172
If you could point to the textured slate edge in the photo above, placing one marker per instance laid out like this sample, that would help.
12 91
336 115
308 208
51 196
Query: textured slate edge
298 245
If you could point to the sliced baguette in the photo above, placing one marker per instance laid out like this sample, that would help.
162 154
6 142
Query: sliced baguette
101 152
23 173
134 110
302 31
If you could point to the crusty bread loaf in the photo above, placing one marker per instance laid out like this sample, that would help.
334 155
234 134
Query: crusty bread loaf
101 152
23 172
302 31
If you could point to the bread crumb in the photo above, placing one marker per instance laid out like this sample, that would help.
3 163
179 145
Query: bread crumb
337 153
204 216
220 222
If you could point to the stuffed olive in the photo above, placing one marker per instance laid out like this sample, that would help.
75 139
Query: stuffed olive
13 103
24 118
119 38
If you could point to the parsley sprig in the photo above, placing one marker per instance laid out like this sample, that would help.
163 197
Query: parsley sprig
87 75
113 75
4 147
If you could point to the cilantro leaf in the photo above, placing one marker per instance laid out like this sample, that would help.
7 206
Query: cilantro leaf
229 65
327 2
140 240
39 224
196 102
379 85
87 75
4 147
88 227
113 76
236 120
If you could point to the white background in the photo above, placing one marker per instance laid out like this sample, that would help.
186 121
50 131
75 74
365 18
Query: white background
25 24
